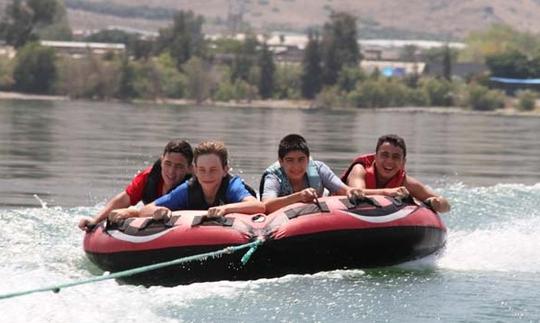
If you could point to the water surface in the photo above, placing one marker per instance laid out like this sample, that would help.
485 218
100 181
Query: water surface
62 160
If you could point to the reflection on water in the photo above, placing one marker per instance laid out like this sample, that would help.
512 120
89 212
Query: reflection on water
80 153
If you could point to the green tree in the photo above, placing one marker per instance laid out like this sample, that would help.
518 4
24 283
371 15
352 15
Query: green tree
244 59
349 76
198 79
447 63
512 64
311 67
35 70
288 78
339 46
59 28
22 18
497 39
126 89
184 38
267 69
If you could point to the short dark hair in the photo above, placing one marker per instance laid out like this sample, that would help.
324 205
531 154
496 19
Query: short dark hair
180 146
292 142
394 140
212 147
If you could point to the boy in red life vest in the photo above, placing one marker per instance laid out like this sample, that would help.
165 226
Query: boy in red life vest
384 173
172 169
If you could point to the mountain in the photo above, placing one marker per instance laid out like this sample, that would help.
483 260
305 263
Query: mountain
427 19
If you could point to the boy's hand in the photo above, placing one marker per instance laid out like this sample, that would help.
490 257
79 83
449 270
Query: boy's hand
308 195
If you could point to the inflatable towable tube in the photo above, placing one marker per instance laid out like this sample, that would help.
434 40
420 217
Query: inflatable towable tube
298 239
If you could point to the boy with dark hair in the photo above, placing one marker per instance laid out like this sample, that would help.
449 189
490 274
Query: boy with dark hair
169 171
297 178
384 173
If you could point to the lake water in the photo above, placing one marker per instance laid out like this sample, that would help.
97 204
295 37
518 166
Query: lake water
63 160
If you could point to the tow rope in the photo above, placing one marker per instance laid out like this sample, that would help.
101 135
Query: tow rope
125 273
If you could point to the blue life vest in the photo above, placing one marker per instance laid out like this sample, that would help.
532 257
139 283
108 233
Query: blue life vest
313 179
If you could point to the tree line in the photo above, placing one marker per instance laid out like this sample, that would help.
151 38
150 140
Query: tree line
182 63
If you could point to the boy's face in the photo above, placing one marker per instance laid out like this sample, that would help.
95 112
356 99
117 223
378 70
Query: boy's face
209 170
295 164
389 160
174 168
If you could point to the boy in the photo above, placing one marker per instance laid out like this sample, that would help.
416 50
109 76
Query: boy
169 171
297 178
384 173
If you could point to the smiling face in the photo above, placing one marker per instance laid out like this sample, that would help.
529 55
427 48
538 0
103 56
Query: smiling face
389 160
295 164
174 168
209 171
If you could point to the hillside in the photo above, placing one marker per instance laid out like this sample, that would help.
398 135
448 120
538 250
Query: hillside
428 19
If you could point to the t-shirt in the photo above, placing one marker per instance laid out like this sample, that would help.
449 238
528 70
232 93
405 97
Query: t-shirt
329 180
178 199
136 187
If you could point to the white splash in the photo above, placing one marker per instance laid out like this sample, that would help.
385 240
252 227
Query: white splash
514 247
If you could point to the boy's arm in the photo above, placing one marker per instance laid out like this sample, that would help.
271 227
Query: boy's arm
249 205
421 192
120 201
357 177
274 203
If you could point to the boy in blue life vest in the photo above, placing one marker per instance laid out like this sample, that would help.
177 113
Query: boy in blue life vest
297 178
383 173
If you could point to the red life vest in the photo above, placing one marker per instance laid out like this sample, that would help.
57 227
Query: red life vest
368 161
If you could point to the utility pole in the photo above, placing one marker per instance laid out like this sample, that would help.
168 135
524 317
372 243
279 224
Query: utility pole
235 15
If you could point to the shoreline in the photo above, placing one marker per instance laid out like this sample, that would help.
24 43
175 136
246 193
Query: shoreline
279 104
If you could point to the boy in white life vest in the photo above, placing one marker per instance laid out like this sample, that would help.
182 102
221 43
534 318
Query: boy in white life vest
297 178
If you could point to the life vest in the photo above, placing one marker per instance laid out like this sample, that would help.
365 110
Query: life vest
313 178
152 187
196 200
368 161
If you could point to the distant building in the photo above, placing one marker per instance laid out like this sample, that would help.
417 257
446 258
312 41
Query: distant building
79 49
393 68
460 70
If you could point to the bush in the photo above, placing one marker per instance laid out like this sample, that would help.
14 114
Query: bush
481 98
417 98
89 77
329 97
288 84
526 100
225 91
439 92
171 81
380 92
35 70
349 76
6 74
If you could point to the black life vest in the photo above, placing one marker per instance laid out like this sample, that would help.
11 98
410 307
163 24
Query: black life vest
196 200
150 191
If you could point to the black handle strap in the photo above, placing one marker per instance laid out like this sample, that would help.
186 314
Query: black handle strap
211 220
358 200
